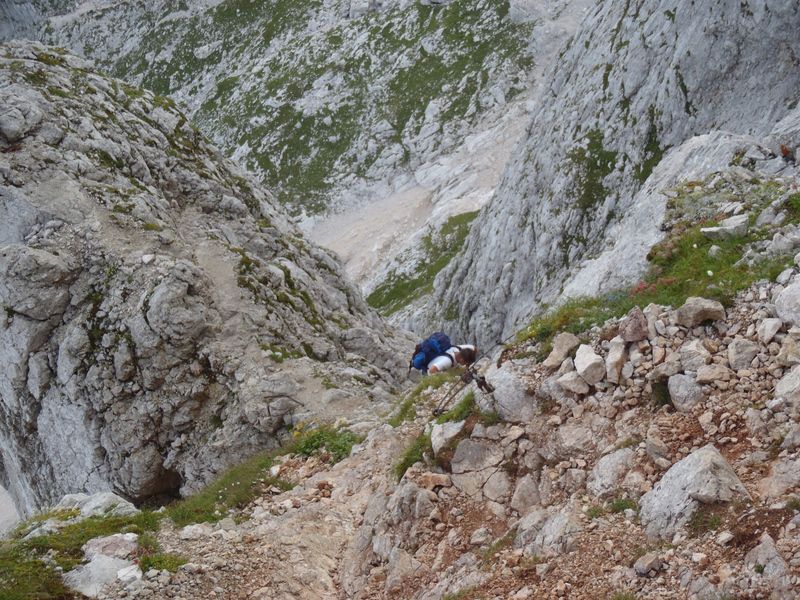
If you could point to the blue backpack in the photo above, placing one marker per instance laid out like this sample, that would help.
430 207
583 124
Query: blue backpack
434 345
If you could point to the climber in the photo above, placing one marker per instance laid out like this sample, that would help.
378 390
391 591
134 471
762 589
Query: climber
436 353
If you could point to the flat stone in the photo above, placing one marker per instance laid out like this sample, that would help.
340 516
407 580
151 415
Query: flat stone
563 344
767 329
712 373
648 564
696 311
633 327
572 382
589 365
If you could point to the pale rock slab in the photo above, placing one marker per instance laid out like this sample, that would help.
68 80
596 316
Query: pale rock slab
712 373
702 477
615 359
573 382
563 344
589 365
767 329
441 434
787 304
91 578
511 399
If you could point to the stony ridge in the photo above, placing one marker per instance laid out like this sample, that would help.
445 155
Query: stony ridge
161 312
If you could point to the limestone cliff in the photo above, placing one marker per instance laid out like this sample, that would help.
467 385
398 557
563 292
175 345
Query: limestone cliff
162 318
580 204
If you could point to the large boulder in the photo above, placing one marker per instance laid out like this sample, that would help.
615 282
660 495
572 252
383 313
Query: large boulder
787 304
606 477
633 327
589 365
684 392
563 344
703 477
698 310
741 353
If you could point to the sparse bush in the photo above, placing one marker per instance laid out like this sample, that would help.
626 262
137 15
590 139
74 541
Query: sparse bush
162 562
413 454
621 505
596 511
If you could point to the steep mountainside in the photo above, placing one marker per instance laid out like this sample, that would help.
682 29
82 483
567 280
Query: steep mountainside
624 116
162 317
318 94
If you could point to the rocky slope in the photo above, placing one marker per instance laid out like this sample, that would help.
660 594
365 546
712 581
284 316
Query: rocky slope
646 92
655 456
162 318
584 493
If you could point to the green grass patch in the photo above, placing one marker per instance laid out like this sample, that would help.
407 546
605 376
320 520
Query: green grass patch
66 544
23 576
236 488
793 503
621 505
595 511
460 411
407 410
679 269
400 290
413 454
162 562
337 442
152 227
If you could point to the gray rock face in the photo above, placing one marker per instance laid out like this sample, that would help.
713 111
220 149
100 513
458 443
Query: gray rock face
159 312
542 533
703 477
511 400
654 62
694 355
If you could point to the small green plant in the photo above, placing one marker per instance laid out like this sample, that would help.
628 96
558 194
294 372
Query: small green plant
162 562
595 511
793 503
413 454
152 227
621 505
235 488
706 518
337 442
623 596
460 411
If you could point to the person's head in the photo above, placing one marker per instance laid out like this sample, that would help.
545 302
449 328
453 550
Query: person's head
466 356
